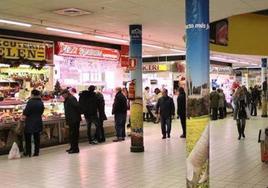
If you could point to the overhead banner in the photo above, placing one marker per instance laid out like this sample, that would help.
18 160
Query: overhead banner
16 49
84 51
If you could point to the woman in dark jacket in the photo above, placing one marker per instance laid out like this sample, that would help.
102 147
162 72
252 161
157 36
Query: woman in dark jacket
33 122
181 103
102 117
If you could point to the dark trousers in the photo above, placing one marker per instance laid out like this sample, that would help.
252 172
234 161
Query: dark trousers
253 111
241 124
183 124
165 126
28 143
120 123
101 136
74 135
221 112
95 121
214 113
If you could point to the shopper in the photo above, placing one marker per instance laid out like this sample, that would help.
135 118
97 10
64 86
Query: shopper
221 103
214 102
254 101
240 114
167 109
146 104
73 118
158 95
101 116
33 122
120 114
181 111
89 103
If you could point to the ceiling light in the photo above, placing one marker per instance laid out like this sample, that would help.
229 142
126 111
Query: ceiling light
177 50
15 23
63 31
149 56
153 46
111 39
24 66
4 65
174 54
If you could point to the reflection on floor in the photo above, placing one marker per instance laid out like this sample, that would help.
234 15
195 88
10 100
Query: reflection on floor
110 165
235 163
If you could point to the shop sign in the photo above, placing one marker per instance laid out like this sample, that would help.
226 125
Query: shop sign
124 56
221 70
84 51
16 49
155 67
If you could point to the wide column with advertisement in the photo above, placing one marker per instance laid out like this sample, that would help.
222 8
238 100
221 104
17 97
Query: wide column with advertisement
197 61
264 86
136 115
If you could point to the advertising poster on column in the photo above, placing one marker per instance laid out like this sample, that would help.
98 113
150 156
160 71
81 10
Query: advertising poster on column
197 61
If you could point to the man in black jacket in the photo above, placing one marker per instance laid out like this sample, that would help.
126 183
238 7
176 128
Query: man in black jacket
33 122
73 118
167 110
102 117
120 114
181 112
89 103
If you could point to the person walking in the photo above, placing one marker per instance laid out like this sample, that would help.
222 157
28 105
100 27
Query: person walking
73 118
89 103
240 114
120 114
33 122
167 109
214 102
221 103
101 116
181 110
146 104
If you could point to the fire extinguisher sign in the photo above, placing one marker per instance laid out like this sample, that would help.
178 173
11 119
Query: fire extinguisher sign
132 64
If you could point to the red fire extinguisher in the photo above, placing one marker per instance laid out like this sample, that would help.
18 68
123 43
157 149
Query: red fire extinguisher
131 90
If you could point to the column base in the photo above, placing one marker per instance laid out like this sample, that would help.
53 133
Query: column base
137 149
264 115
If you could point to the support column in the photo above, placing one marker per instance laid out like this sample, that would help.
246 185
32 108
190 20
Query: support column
136 115
264 86
197 61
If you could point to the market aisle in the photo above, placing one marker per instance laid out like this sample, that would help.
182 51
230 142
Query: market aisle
108 165
235 163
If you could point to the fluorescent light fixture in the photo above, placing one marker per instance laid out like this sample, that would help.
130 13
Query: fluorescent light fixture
149 55
63 31
15 23
24 66
4 65
153 46
243 62
111 39
174 54
177 50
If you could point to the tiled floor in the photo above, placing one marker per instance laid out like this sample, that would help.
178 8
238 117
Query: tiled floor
235 163
110 165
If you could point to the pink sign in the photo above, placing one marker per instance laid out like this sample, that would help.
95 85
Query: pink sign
84 51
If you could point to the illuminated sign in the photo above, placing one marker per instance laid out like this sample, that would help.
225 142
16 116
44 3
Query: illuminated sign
83 51
16 49
155 67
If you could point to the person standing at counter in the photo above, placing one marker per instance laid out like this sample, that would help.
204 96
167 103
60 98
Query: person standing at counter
33 122
102 116
73 118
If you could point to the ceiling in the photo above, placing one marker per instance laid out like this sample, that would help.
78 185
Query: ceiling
163 23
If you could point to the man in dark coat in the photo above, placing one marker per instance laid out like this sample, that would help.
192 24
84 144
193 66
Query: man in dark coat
120 114
89 103
73 118
33 122
102 117
181 111
167 110
214 103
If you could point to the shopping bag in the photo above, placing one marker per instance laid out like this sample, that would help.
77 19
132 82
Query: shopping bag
14 152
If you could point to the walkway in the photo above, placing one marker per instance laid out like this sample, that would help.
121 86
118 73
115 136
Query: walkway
109 165
235 163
